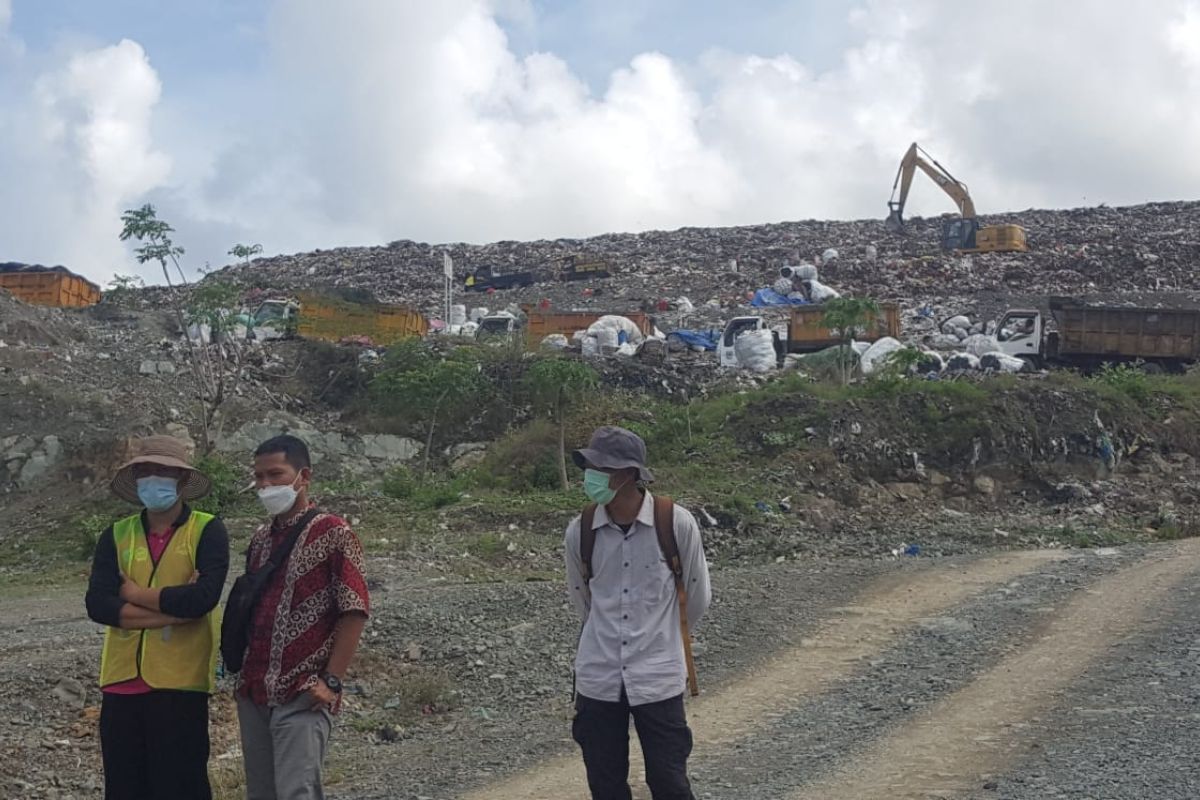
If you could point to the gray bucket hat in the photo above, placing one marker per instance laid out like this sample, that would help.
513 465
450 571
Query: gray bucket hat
614 448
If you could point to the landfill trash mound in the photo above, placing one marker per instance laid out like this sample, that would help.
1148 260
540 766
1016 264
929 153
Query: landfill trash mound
1142 253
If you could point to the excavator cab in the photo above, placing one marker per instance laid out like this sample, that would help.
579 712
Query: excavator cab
959 233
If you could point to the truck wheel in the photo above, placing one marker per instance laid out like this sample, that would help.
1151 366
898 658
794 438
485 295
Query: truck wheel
1151 368
1032 363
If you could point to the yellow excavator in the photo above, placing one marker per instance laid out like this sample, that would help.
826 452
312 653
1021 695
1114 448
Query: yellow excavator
962 233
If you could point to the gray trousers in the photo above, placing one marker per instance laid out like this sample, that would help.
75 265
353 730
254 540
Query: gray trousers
283 748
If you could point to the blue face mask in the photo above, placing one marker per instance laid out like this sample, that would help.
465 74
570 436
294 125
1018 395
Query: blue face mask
157 493
595 485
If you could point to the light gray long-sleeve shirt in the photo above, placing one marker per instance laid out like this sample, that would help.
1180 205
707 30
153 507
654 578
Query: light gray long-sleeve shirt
630 609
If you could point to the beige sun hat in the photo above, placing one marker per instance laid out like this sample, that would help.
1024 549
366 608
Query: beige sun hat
167 451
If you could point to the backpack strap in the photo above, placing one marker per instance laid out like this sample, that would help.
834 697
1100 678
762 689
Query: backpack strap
587 540
664 527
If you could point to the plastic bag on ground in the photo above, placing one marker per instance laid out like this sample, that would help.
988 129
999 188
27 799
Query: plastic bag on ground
980 345
685 305
877 354
555 341
477 314
860 347
960 362
782 286
819 292
829 255
591 347
458 315
1001 362
627 350
755 350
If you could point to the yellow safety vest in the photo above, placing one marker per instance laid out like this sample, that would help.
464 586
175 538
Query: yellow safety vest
182 657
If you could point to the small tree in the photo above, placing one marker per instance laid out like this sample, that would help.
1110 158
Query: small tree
144 225
245 251
555 385
848 316
122 287
441 391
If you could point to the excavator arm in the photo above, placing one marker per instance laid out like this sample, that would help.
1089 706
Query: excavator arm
914 159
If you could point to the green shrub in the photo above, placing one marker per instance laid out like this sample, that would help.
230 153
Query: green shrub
228 484
1128 379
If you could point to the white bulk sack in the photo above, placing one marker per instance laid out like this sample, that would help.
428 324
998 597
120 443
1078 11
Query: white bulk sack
962 361
980 345
755 351
954 323
876 356
819 292
1001 362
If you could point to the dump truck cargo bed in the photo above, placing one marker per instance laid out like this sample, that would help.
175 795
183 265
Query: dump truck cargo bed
807 332
546 323
333 320
1124 333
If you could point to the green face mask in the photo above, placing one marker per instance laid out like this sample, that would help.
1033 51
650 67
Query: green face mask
595 485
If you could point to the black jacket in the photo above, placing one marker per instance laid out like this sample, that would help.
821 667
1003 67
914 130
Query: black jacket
190 601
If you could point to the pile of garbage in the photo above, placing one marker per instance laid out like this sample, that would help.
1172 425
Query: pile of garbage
1114 251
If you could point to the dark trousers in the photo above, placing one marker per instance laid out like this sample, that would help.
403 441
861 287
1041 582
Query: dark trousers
155 746
602 731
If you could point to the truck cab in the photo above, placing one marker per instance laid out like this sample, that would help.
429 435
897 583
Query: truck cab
497 329
1020 333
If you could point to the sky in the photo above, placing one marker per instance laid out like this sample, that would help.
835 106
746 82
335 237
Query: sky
303 124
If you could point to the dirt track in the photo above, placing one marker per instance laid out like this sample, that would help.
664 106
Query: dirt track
952 747
1015 675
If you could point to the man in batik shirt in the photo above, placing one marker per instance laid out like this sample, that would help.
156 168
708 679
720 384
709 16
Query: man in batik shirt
303 633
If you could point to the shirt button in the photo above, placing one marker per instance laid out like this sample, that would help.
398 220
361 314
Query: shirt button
624 616
626 591
627 563
624 643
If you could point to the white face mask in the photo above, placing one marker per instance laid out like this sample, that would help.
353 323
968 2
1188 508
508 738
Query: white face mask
277 499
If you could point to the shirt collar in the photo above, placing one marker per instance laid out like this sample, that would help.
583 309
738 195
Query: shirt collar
645 513
292 519
179 522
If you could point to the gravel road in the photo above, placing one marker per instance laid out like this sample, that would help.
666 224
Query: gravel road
1039 674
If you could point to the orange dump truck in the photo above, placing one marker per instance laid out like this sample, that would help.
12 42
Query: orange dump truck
807 332
332 320
547 323
48 286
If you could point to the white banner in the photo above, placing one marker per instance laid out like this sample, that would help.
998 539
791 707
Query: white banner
447 265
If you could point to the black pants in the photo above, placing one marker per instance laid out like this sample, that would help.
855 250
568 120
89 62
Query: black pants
602 731
155 746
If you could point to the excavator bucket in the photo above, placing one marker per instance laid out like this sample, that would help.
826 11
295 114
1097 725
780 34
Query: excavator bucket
894 221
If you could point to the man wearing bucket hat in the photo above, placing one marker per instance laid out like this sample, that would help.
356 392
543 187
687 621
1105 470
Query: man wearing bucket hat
637 575
156 577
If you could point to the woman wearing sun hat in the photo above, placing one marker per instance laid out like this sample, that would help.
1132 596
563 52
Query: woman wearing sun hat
156 579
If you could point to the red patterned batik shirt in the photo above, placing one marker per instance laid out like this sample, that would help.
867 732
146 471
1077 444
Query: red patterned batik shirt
291 632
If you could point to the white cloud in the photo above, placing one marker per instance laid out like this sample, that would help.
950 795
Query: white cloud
81 147
381 120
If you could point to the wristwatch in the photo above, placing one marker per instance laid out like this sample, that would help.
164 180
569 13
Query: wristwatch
333 682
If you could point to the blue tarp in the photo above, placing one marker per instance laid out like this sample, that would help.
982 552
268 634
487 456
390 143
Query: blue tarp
706 339
770 297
